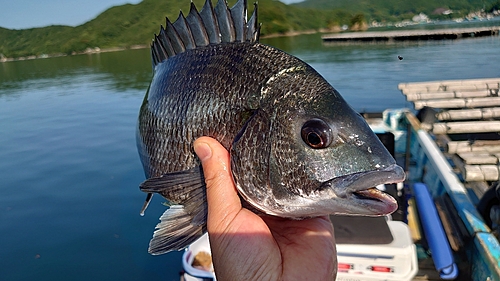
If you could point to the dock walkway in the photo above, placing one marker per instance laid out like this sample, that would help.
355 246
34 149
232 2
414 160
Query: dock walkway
403 35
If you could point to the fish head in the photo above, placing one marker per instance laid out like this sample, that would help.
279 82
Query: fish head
343 159
321 156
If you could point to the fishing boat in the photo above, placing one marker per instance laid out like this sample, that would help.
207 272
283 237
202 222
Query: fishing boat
448 224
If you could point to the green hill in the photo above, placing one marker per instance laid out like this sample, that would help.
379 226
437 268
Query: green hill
128 25
392 10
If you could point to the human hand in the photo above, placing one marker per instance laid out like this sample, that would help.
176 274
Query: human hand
246 246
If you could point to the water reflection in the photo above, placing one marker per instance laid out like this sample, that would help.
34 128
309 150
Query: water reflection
367 75
127 69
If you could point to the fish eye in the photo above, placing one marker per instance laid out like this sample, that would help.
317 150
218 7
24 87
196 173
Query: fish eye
316 133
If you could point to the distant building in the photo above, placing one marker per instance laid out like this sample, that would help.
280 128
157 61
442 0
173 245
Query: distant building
420 18
442 11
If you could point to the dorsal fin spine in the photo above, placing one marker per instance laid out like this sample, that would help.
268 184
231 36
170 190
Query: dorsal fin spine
160 51
182 28
210 26
154 58
253 27
226 25
210 22
165 42
175 39
239 17
195 23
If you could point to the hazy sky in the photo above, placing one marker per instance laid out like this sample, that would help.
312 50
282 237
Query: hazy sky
20 14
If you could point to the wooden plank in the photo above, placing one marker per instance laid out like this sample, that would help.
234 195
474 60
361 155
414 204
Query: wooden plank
479 145
412 119
459 103
452 232
420 95
451 103
466 127
413 221
467 87
480 173
443 84
464 91
478 158
472 173
414 96
449 33
469 114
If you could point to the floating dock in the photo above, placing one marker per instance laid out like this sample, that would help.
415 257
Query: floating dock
464 115
405 35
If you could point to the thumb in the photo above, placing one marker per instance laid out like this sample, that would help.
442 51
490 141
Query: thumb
223 201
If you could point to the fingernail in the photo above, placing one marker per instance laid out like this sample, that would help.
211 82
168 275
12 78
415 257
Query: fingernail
203 151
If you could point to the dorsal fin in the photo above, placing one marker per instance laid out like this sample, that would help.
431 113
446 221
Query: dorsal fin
210 26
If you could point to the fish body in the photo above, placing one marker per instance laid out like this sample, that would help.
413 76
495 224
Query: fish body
297 149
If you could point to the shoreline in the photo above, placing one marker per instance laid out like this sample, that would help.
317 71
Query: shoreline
88 51
97 50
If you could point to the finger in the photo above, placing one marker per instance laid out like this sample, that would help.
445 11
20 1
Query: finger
223 200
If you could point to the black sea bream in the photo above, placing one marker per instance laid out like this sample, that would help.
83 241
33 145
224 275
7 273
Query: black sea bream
297 148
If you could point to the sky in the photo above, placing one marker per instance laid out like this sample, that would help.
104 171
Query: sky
21 14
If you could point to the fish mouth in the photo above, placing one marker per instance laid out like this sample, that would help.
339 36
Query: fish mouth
361 194
371 194
377 202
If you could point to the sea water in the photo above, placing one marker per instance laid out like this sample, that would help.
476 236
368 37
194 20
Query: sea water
69 169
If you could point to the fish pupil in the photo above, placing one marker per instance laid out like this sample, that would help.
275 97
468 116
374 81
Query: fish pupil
314 139
317 134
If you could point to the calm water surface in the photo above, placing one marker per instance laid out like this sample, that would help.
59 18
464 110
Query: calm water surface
69 197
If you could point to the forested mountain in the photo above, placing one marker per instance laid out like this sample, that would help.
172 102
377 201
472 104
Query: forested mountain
392 10
128 25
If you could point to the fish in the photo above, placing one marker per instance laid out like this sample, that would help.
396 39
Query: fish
297 149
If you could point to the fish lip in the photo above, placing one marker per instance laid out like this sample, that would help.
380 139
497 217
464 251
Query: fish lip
365 180
360 190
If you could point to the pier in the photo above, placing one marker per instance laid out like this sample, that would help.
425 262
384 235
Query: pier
406 35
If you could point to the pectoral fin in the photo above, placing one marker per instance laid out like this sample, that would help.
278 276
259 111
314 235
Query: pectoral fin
185 220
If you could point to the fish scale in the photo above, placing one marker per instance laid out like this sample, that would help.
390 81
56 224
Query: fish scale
289 133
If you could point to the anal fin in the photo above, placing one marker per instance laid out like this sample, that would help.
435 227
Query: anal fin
185 220
175 231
